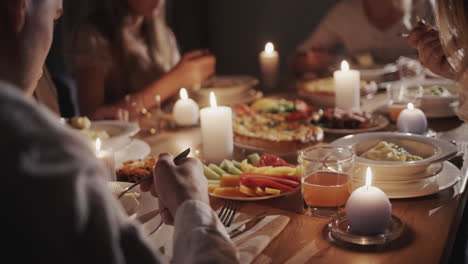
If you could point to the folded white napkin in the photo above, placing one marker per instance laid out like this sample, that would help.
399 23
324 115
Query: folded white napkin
250 244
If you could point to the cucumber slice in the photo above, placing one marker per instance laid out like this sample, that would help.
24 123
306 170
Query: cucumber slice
254 158
224 165
228 166
217 169
210 174
237 164
214 181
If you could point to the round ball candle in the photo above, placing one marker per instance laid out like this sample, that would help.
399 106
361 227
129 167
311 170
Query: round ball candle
186 110
347 88
269 62
108 160
368 209
412 120
216 129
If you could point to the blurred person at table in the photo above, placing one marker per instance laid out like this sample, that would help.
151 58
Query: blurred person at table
442 49
125 55
365 30
59 207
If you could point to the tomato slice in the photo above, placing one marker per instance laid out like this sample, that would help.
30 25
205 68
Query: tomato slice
272 160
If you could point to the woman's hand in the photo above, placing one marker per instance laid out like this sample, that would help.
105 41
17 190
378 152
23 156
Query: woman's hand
176 183
313 60
110 112
195 67
431 54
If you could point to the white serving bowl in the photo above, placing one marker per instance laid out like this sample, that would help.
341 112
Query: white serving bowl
440 106
430 149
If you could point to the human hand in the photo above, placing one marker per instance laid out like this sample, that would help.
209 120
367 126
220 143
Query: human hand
313 60
195 67
426 40
110 112
176 183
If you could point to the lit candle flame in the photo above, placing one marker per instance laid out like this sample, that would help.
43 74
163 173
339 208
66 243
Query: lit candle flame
183 94
213 100
269 48
344 66
368 177
98 145
411 106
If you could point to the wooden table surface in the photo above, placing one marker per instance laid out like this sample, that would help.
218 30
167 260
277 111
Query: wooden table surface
430 222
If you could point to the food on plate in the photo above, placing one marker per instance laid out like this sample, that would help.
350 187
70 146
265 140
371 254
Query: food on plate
83 125
387 151
337 118
255 176
364 60
135 170
323 86
436 90
276 124
130 200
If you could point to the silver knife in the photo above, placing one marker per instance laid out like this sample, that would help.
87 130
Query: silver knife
242 228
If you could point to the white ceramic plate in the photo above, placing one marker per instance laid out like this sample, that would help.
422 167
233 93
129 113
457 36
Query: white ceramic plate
119 132
251 199
380 121
445 179
137 149
148 203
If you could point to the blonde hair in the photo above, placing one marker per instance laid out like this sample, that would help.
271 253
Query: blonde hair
110 18
452 21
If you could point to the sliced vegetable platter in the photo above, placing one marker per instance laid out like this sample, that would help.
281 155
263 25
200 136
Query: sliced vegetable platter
258 177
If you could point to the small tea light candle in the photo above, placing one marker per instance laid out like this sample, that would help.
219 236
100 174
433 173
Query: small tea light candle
108 160
186 110
412 120
269 62
368 209
347 88
216 128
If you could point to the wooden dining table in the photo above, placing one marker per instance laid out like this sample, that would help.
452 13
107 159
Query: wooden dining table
431 222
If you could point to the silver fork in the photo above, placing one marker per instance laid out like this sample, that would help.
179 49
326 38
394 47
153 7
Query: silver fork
228 212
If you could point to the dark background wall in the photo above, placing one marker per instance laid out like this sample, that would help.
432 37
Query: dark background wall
237 30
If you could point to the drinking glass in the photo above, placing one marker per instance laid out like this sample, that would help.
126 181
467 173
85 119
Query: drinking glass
410 70
326 179
400 94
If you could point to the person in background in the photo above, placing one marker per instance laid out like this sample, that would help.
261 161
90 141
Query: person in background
365 30
442 49
60 209
125 55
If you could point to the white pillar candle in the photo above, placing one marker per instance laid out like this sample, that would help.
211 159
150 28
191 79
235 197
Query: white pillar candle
107 159
216 128
186 110
269 63
368 209
412 120
347 88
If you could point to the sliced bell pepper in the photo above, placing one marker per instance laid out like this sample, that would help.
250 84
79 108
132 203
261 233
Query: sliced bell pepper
286 180
254 182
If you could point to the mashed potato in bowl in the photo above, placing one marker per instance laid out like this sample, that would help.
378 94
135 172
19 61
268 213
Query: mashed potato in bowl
83 125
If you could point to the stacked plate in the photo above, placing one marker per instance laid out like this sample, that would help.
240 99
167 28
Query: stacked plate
230 90
404 179
120 140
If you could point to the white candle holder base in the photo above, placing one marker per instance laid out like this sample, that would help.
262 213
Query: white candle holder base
340 230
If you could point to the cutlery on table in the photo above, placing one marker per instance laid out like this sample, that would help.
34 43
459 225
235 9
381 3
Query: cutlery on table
228 212
246 226
149 177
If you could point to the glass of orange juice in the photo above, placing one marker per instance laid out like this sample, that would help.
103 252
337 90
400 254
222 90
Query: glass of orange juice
401 93
326 179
